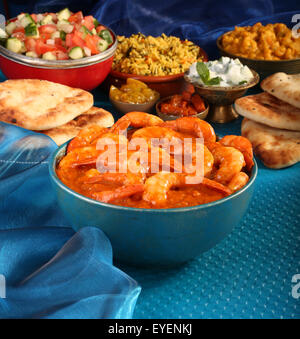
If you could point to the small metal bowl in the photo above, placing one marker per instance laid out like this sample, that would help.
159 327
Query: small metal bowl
125 107
263 67
201 115
221 98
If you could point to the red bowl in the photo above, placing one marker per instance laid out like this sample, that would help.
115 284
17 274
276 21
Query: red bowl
165 85
86 73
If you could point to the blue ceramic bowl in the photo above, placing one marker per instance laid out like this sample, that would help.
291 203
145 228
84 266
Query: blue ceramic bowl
154 237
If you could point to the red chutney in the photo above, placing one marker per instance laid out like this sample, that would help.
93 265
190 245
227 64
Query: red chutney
186 104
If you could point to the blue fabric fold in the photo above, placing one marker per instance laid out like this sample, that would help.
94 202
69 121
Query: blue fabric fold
50 272
76 281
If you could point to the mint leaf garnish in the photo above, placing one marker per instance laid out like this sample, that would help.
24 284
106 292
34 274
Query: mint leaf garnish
204 74
214 81
203 71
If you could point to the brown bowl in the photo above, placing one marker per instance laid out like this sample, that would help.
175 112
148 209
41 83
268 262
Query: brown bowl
201 115
125 107
165 85
263 67
221 98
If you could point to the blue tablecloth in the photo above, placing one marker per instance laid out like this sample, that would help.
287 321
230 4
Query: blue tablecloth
249 274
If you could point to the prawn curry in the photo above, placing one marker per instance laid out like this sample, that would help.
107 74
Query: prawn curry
140 179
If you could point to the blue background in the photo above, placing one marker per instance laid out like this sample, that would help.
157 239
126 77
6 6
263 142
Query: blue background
249 274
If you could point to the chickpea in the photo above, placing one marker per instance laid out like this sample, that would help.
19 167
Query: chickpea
270 42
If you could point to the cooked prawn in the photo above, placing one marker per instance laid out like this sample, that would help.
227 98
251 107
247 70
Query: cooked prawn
135 119
86 136
119 193
157 132
229 161
93 176
243 145
192 126
174 143
157 186
199 156
79 156
238 181
130 184
88 155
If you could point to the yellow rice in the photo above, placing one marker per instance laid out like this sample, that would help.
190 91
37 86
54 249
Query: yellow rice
158 56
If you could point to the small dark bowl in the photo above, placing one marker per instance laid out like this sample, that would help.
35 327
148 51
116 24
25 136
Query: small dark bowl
125 107
264 67
154 237
201 115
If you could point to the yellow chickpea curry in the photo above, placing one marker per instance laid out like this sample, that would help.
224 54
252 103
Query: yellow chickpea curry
133 92
270 42
226 164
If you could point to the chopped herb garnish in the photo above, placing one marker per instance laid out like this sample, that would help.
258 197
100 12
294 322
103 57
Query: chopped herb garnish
204 74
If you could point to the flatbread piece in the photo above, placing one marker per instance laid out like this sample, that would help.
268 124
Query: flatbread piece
285 87
39 104
94 116
266 109
277 148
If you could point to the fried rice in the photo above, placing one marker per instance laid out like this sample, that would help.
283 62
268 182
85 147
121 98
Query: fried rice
158 56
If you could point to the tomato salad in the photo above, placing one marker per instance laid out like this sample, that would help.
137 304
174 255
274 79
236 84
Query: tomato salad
56 36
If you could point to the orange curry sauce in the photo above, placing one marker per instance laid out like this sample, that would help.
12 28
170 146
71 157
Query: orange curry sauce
183 196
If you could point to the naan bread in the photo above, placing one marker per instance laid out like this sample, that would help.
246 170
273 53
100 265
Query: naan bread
39 104
268 110
94 116
285 87
277 148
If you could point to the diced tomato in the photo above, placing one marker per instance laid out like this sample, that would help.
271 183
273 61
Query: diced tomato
60 55
76 17
77 39
58 41
92 43
34 17
30 44
88 22
69 40
61 48
100 28
19 33
19 29
45 36
42 48
47 29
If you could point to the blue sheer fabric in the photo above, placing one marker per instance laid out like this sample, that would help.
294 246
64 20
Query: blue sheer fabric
51 271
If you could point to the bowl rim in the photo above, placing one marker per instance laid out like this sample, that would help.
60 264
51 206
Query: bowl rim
52 165
220 47
154 78
60 64
253 82
158 111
